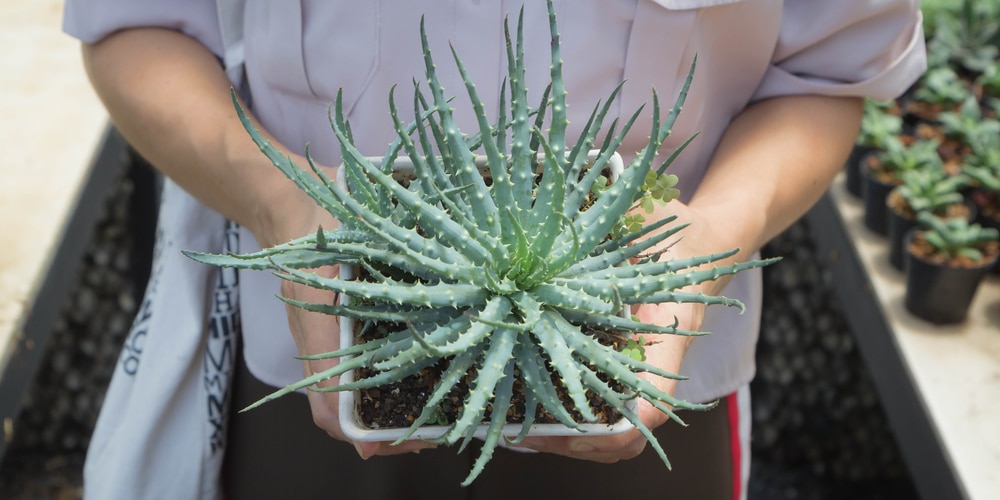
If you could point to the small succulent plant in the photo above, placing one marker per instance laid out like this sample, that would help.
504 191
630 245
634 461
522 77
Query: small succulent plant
989 80
966 37
897 157
877 124
505 277
941 86
956 237
982 166
931 190
932 10
968 125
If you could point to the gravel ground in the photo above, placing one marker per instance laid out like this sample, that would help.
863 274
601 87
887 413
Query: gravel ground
45 458
819 431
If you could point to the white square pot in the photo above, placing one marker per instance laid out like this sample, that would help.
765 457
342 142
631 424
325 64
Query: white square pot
350 420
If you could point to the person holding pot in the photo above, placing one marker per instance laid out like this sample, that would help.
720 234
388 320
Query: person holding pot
776 100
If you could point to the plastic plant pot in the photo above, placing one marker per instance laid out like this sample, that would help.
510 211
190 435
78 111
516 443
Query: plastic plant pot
853 177
939 293
899 227
353 425
874 194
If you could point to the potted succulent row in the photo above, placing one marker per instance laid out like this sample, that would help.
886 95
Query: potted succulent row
935 152
503 292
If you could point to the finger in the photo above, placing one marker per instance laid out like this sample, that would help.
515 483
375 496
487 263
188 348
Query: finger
606 448
368 449
324 414
603 449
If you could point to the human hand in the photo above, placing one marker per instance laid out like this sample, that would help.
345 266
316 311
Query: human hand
663 351
313 332
317 333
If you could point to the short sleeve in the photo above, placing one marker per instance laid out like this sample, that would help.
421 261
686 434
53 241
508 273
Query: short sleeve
92 20
864 48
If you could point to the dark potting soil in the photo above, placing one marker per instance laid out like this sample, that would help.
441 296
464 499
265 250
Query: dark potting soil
987 203
899 204
925 251
400 403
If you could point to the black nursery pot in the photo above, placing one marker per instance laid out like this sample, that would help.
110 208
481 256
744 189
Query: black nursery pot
898 229
938 293
852 170
987 221
874 193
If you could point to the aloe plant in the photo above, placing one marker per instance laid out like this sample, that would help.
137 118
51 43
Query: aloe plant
898 157
956 237
968 125
982 165
932 10
990 79
877 124
941 86
982 168
931 190
966 37
511 276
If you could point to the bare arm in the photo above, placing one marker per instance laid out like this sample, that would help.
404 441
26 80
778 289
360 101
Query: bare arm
774 162
170 98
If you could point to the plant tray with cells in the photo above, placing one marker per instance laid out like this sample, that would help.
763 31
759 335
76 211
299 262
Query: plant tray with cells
504 262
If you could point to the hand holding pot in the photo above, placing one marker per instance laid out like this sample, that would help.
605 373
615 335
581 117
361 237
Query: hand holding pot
663 351
316 333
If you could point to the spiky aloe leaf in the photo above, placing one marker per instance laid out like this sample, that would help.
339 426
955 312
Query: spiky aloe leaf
491 371
521 155
483 206
502 396
458 367
538 381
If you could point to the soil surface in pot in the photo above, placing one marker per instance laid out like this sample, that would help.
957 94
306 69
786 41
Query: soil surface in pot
874 169
925 251
899 205
399 404
951 150
923 111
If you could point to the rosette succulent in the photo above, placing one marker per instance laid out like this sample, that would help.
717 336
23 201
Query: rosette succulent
956 237
931 190
500 276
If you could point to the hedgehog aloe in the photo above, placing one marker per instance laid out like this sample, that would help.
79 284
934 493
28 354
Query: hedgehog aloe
506 276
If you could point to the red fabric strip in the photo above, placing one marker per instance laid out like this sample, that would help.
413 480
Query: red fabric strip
735 447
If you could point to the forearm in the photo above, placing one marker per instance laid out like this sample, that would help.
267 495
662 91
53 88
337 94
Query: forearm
170 98
774 161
